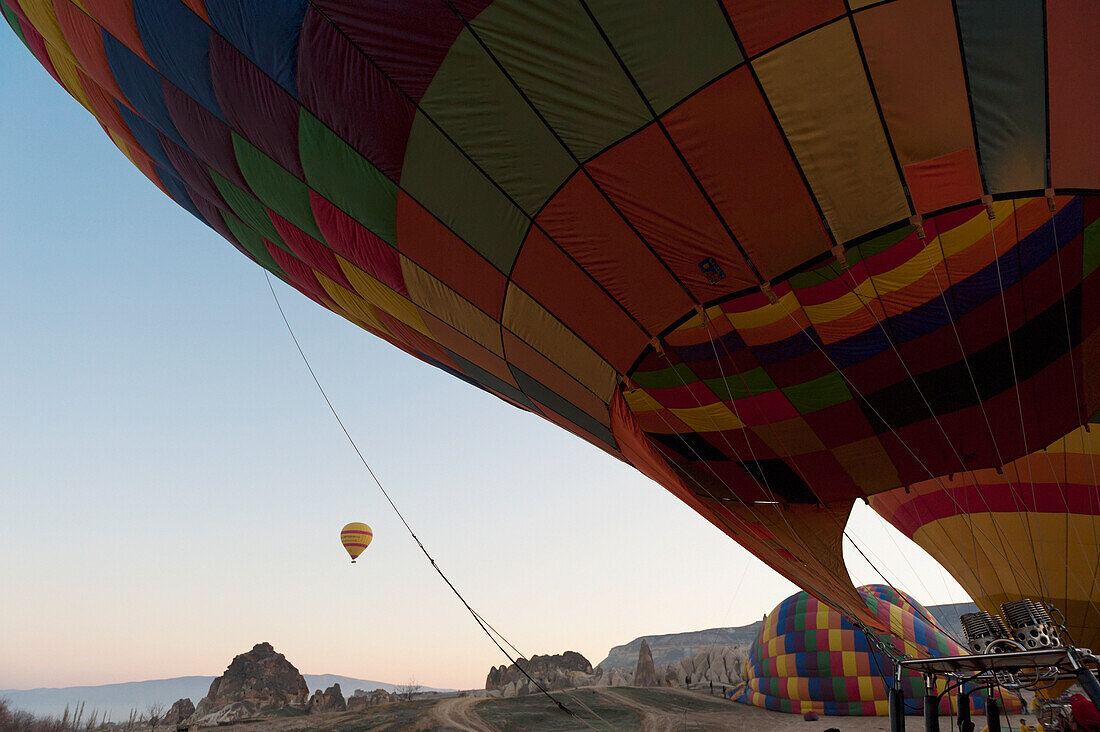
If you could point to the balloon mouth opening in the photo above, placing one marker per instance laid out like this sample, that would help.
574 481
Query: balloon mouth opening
353 561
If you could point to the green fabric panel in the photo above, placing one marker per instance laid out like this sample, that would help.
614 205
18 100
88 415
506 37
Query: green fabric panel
672 47
1090 256
13 21
818 393
556 55
473 101
339 173
446 183
484 378
248 209
276 187
1005 58
854 256
739 386
251 241
669 378
565 408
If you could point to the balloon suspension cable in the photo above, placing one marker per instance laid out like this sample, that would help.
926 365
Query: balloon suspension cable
485 626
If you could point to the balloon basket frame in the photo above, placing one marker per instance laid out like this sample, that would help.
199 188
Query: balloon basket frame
1013 671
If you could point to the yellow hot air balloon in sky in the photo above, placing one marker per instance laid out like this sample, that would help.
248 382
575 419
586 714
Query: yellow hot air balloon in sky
356 537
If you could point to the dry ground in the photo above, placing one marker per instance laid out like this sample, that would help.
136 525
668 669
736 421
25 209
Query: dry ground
602 708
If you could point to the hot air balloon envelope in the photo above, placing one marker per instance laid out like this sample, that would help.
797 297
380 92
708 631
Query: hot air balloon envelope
356 537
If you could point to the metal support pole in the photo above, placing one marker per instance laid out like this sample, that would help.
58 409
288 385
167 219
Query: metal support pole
897 709
931 705
992 714
965 724
1086 678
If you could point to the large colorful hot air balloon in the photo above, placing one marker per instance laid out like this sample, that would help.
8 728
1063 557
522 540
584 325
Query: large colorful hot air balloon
356 537
1029 531
777 259
808 658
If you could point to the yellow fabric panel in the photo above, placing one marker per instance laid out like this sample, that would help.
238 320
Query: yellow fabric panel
41 15
534 324
766 315
710 418
121 145
67 71
868 464
866 688
356 306
835 637
639 400
848 661
450 307
789 437
882 708
382 297
819 91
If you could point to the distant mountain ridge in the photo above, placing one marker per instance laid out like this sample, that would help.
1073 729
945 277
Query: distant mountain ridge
118 699
673 647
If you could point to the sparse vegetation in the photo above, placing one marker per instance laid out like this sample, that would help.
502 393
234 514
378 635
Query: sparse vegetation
13 720
408 691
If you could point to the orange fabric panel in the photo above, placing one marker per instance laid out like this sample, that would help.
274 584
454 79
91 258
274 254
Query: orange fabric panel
562 288
546 372
820 94
416 340
649 184
117 17
944 181
105 110
585 225
760 25
473 352
727 127
1073 78
436 249
86 42
198 8
912 51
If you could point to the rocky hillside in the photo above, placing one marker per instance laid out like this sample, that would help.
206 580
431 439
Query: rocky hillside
675 647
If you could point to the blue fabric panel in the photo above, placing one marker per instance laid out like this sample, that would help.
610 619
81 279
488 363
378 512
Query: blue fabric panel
859 347
796 345
142 85
178 42
146 136
269 38
729 343
178 191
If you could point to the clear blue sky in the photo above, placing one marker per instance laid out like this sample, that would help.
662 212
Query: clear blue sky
172 485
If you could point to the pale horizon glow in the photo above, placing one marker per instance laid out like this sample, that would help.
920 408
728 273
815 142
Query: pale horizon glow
174 485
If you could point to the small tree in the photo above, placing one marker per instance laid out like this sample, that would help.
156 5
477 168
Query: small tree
156 714
409 690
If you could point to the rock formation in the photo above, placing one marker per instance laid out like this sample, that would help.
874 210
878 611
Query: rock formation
718 665
361 700
181 710
256 683
329 700
645 674
562 671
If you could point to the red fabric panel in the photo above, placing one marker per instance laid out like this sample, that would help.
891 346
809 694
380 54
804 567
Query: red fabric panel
117 18
731 141
357 244
534 364
205 134
254 105
436 249
416 339
408 39
104 107
37 44
562 288
475 353
193 172
582 222
300 275
1073 78
212 215
760 25
647 182
945 181
310 251
86 41
840 424
198 8
349 93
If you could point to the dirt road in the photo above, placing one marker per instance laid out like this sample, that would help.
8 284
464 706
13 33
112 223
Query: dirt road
459 714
